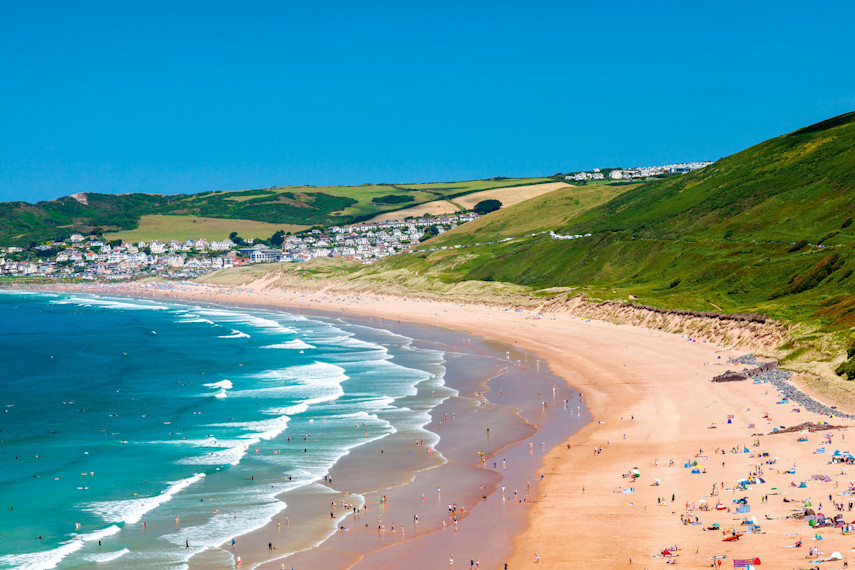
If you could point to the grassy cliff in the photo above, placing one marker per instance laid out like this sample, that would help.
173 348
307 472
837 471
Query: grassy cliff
767 230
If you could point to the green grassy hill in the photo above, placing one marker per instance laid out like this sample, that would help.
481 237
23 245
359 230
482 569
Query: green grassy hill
768 230
22 223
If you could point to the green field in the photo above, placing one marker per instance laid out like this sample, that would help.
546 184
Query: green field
22 223
546 212
182 228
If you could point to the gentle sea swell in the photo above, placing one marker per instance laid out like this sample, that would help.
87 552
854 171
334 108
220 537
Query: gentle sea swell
186 398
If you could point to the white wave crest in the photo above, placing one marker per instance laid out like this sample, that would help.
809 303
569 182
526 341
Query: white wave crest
132 510
52 558
235 334
248 319
107 556
295 344
104 303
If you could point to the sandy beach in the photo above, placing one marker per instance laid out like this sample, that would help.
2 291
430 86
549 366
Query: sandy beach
654 410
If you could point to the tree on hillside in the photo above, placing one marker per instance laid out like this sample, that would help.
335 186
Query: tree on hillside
430 231
236 239
486 206
277 239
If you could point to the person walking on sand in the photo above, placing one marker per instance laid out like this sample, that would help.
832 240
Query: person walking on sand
536 557
451 560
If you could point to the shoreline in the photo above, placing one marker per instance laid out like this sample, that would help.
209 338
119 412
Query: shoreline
478 390
661 383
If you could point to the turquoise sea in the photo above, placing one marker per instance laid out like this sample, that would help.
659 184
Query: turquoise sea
139 433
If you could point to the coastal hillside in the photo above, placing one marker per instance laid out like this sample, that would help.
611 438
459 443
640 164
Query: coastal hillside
767 230
22 223
765 235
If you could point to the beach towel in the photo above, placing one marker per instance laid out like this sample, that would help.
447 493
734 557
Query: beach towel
745 562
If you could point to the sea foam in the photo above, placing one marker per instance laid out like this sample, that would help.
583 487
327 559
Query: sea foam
235 334
103 557
131 511
51 558
295 344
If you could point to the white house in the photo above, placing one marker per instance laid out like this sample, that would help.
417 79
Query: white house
224 245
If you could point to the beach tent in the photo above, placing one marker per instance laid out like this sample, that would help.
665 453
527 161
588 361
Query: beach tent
696 471
835 556
802 485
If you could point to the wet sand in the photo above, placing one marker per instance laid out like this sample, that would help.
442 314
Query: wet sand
479 370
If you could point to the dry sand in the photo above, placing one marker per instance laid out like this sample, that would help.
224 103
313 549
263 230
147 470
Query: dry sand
653 403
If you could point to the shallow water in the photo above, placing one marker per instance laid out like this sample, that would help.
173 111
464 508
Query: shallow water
156 425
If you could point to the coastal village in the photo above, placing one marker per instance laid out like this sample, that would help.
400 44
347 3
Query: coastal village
94 257
639 173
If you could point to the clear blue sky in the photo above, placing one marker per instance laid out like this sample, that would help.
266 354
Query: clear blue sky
192 96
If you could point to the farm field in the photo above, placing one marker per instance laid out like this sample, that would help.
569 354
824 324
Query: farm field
509 196
182 228
435 208
452 189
